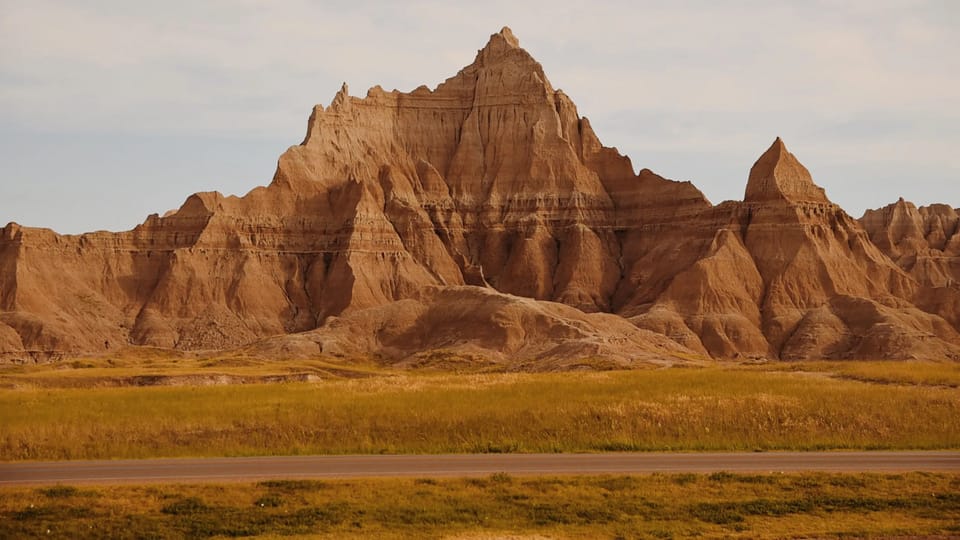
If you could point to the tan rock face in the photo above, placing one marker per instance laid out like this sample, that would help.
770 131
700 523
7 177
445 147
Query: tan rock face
924 242
778 176
480 323
488 209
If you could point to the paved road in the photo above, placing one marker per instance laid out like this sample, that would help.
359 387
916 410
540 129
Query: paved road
259 468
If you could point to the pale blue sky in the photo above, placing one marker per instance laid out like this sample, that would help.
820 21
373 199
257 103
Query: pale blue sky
112 110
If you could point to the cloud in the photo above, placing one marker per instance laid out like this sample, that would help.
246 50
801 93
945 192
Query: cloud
668 83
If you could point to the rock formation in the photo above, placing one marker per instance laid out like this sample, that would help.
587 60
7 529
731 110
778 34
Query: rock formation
440 326
924 242
485 217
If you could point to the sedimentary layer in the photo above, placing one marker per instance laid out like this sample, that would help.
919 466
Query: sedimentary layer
491 190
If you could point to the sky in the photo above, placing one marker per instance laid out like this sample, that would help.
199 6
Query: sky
113 110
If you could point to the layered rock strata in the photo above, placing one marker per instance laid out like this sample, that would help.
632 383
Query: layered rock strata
490 189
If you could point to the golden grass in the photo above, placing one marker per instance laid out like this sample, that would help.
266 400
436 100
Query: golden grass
138 368
715 408
651 506
915 372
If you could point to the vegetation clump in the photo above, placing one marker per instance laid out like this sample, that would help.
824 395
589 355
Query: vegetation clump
659 506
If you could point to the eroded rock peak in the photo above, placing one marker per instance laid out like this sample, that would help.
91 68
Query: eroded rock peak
779 176
399 224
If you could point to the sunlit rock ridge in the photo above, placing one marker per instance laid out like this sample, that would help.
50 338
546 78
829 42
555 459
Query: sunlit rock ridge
484 218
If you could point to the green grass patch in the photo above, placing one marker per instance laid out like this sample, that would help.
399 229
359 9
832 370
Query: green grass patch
658 506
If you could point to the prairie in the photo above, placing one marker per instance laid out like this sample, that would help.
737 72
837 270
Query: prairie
88 410
651 506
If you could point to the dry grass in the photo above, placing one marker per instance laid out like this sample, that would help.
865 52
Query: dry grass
913 372
139 367
715 408
653 506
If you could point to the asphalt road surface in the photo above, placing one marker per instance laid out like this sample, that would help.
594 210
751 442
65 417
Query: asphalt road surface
260 468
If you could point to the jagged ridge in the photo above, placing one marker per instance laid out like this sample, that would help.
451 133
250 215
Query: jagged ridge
492 180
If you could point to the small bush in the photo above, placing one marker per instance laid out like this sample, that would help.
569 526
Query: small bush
619 483
719 513
722 477
326 515
507 447
52 513
269 501
501 478
425 482
185 506
549 514
294 485
848 481
684 479
57 492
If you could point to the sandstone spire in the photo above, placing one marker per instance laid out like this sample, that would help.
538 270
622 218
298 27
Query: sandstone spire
502 41
778 175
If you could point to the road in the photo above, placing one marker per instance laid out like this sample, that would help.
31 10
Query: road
261 468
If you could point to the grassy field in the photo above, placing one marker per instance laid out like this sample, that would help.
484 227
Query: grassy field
653 506
946 374
162 368
80 413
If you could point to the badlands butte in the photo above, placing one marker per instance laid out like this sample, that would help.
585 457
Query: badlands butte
485 220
